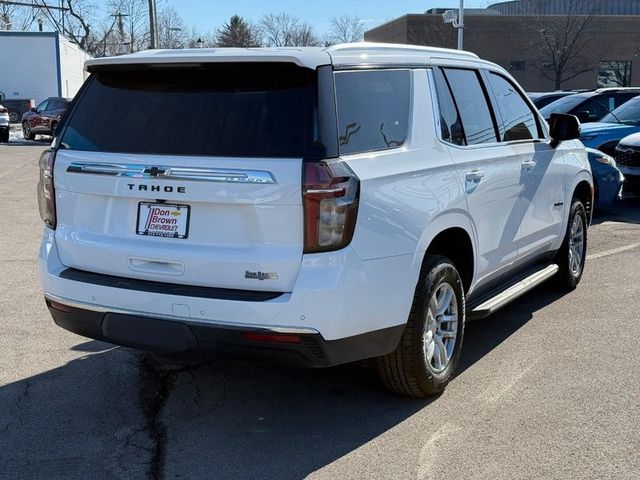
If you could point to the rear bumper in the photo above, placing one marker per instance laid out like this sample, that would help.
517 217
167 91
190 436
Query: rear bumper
180 337
337 298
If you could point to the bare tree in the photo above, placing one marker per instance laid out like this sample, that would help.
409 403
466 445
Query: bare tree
74 23
15 17
172 31
131 30
237 33
345 29
565 45
284 30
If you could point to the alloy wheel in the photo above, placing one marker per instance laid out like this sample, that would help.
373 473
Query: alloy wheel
441 327
576 245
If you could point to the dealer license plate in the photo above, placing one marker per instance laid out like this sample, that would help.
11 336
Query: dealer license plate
163 220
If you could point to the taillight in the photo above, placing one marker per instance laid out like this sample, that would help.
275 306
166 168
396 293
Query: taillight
3 110
330 194
46 192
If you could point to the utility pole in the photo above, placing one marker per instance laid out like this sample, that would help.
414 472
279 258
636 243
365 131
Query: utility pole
460 26
153 24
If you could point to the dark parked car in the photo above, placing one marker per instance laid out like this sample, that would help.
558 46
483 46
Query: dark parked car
591 106
607 178
542 99
44 119
628 160
17 107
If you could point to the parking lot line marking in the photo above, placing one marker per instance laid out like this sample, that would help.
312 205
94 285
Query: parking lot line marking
595 256
4 174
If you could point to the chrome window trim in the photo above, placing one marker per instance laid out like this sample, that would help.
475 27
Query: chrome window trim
435 106
158 172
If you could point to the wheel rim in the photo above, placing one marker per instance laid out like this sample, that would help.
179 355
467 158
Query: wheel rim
441 327
576 245
26 131
13 116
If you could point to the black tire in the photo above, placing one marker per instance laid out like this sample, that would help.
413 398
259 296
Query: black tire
26 132
4 136
406 370
14 117
54 127
568 276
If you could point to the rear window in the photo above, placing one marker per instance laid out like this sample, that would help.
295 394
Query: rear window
237 111
373 109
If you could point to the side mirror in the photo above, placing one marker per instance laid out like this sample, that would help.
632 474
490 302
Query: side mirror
33 109
563 127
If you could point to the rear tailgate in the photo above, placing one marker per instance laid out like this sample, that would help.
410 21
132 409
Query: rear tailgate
236 233
189 177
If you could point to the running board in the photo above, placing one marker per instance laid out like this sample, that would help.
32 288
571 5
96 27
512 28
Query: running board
515 291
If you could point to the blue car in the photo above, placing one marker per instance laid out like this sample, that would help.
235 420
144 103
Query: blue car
606 134
607 179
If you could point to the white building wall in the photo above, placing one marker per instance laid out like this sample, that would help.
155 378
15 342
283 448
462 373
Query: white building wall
28 65
72 71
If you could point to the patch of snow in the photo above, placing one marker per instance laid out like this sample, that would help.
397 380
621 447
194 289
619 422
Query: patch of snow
15 135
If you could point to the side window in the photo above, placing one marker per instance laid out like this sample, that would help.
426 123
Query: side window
592 110
450 122
373 109
43 106
472 104
624 97
518 118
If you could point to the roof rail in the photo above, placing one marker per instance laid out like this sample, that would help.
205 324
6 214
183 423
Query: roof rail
345 47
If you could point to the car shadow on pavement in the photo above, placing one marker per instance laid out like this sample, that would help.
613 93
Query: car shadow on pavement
482 336
626 211
118 412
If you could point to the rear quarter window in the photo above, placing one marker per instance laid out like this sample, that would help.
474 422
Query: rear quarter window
373 109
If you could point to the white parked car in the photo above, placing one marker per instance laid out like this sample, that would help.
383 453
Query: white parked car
4 124
320 206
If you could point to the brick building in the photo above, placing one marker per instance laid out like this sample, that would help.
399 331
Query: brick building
520 36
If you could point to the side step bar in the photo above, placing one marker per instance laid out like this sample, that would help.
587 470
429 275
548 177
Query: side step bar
503 298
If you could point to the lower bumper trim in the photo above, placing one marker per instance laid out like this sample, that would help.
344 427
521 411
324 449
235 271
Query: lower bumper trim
176 337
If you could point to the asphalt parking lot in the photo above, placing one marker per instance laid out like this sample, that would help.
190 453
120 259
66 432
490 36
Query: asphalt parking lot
548 388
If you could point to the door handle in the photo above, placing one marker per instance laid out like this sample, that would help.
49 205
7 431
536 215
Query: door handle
474 176
528 165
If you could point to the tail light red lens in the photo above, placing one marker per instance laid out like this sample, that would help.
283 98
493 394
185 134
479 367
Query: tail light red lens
330 193
3 110
46 191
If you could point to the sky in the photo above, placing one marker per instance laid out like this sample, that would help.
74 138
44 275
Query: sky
207 15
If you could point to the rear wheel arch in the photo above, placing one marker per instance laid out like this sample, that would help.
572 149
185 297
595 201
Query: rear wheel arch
455 244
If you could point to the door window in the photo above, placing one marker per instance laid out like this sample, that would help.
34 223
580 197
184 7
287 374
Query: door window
43 106
593 109
470 98
519 121
450 122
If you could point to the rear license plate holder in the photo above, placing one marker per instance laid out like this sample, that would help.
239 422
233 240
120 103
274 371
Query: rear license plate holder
168 220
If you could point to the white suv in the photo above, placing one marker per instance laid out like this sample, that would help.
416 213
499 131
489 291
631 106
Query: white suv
320 206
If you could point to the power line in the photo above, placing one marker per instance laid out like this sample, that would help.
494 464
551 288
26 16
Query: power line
33 5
